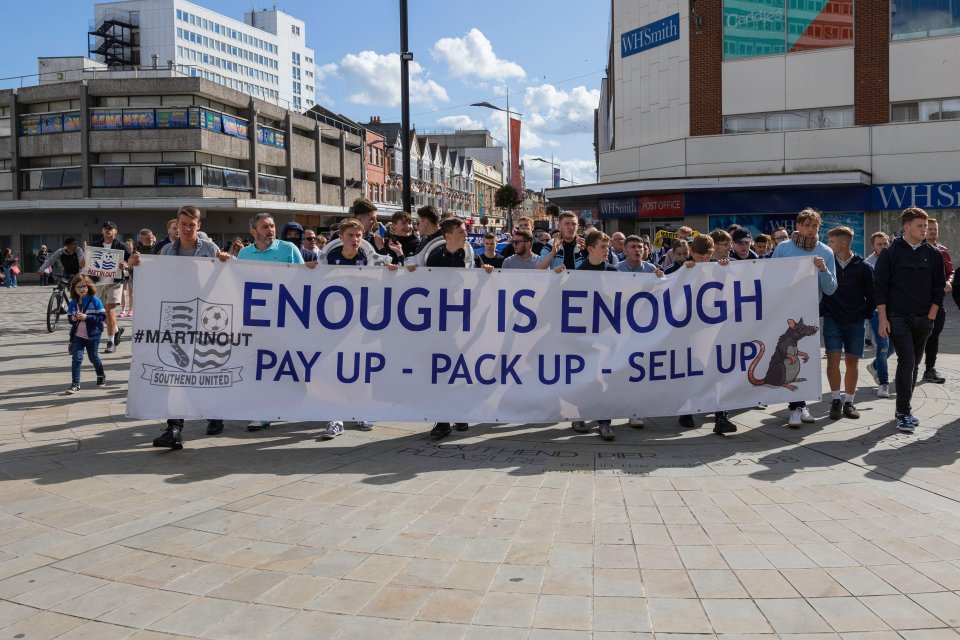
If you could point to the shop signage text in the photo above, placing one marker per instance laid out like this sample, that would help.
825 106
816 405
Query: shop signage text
618 208
666 205
650 36
926 195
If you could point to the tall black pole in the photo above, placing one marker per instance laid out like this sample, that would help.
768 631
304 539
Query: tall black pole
405 58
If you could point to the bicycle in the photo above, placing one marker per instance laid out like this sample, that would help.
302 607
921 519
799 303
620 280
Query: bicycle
57 305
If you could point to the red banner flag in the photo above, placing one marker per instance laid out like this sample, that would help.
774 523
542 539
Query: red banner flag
515 156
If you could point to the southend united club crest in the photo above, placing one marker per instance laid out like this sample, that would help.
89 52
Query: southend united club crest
195 340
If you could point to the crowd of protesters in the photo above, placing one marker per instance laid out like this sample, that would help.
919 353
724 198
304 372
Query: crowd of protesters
892 298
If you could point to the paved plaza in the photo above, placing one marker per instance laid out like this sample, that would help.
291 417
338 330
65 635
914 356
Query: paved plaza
844 529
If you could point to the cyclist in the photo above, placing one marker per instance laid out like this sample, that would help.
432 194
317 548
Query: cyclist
66 259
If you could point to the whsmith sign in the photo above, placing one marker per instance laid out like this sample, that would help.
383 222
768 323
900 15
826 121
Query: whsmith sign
650 36
926 195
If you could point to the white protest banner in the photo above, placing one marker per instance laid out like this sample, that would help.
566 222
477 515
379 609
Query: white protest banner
260 341
102 263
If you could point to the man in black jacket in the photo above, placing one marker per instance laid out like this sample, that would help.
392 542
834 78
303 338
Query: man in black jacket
843 314
908 289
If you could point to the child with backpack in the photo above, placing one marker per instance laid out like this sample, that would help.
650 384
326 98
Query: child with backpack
86 312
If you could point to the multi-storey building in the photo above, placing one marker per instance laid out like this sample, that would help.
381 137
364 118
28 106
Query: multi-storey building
264 55
746 111
134 150
443 171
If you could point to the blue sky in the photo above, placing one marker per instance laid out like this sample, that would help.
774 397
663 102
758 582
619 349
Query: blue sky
550 55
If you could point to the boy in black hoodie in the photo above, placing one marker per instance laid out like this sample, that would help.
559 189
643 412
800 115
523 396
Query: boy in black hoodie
451 254
843 313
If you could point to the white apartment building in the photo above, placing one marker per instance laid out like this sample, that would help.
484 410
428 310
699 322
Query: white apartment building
264 55
745 111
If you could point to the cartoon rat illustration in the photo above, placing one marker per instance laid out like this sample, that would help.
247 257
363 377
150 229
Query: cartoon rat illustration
785 362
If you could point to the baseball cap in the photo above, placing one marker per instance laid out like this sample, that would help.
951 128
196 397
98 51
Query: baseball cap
741 235
109 224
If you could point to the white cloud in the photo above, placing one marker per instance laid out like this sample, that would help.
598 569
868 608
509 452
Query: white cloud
320 73
497 124
539 175
472 55
459 122
375 79
553 110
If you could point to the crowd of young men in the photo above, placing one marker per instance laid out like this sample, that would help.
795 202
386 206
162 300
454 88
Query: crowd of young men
897 291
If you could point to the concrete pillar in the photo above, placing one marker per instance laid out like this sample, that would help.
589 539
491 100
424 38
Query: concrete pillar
86 178
252 140
15 146
288 131
318 160
343 169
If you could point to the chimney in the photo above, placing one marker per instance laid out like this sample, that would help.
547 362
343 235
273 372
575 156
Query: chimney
156 59
375 119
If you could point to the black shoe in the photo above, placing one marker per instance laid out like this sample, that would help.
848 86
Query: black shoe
214 427
867 342
836 409
441 430
461 426
116 336
101 381
931 375
687 421
850 411
170 439
723 425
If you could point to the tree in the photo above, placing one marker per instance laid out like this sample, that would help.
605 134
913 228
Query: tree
507 198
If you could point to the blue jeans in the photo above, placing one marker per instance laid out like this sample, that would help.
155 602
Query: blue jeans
884 350
11 278
90 346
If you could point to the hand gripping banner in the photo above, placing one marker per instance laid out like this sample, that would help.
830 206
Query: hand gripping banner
260 341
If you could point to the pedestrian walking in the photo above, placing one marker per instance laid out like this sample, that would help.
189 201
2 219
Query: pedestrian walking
930 373
908 288
86 314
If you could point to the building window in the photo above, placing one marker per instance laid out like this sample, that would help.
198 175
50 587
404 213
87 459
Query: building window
925 110
295 29
924 18
793 120
296 88
771 27
296 58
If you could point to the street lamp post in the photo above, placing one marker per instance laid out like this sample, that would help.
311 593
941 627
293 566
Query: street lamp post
405 58
488 105
552 165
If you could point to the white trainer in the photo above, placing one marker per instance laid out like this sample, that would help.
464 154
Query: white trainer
805 416
796 419
883 391
636 423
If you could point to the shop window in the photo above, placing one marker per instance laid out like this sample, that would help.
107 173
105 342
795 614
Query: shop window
924 18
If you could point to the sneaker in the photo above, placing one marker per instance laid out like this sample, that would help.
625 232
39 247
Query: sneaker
365 425
214 427
256 425
687 421
581 427
796 419
129 314
913 419
334 429
122 314
850 411
931 375
111 347
867 342
883 391
805 416
636 423
116 337
606 430
73 388
872 370
461 426
440 430
101 381
170 439
836 409
723 425
904 422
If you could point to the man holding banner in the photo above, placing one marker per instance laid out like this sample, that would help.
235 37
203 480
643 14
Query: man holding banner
108 274
187 243
806 242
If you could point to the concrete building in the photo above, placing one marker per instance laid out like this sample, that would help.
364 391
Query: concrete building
746 111
134 150
264 55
